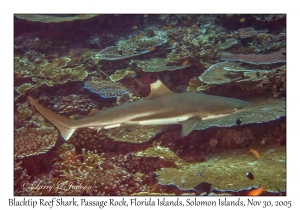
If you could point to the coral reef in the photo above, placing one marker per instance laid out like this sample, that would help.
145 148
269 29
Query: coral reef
226 171
195 84
64 69
139 135
53 18
234 138
275 57
137 44
162 152
217 75
106 89
121 74
157 65
24 87
90 58
269 18
23 111
103 40
43 71
73 104
34 141
275 80
258 112
132 47
230 72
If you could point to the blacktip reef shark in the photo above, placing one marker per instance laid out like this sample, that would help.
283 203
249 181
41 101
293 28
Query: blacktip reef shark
161 107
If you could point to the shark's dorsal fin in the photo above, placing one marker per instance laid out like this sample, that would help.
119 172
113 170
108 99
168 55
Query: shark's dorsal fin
157 89
92 112
189 125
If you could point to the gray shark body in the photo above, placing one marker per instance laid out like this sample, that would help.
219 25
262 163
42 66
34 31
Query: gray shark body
161 107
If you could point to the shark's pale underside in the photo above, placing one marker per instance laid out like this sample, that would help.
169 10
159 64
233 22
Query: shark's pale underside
161 107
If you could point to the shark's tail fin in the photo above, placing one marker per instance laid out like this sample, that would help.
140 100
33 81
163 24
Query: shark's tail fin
63 124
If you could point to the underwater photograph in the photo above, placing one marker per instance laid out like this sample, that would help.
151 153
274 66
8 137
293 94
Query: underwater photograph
149 104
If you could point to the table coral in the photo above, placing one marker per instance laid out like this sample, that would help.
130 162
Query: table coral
53 18
259 111
52 75
217 75
157 65
257 59
131 47
106 89
160 151
227 171
120 74
227 72
24 87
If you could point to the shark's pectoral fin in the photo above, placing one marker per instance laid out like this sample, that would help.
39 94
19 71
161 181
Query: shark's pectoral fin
157 89
189 125
130 126
66 133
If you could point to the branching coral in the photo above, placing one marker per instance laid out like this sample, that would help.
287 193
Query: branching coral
267 43
275 79
195 50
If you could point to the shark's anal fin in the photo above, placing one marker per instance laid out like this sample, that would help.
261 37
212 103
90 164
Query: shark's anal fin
157 89
189 125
